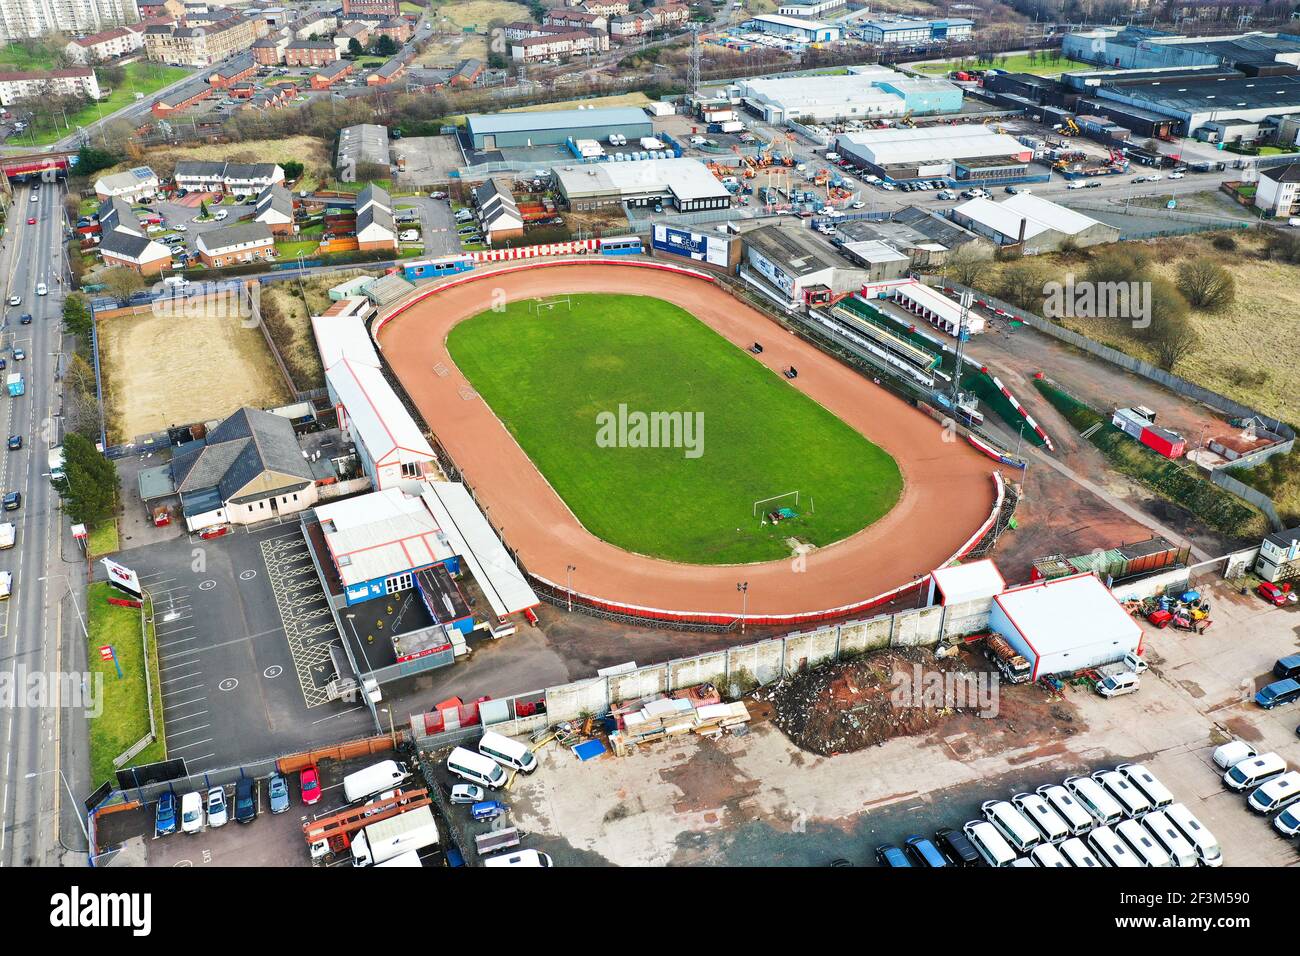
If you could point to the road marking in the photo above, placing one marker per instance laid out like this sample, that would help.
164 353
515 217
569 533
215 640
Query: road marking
197 743
187 716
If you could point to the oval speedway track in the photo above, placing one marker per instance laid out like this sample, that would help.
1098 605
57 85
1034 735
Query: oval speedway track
948 490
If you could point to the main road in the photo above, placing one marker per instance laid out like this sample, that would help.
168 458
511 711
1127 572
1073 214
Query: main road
43 749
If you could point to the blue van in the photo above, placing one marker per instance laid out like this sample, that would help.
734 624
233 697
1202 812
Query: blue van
889 855
924 852
1278 692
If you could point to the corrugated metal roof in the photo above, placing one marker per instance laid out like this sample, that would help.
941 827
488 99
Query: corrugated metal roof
489 123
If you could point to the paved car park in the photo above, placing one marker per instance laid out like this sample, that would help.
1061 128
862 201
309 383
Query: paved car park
756 799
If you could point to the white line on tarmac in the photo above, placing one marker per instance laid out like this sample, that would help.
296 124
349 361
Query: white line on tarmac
187 716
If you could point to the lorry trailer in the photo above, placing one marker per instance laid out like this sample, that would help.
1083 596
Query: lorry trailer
407 832
1013 666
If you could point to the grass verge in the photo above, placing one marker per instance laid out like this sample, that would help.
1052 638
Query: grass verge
124 716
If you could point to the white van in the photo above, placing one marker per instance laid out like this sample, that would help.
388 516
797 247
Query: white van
1078 819
1078 854
1129 796
476 768
6 585
1110 849
1141 842
1011 823
1157 793
1104 808
1232 753
1207 847
1167 835
1117 685
989 844
1254 771
1276 794
377 778
1041 814
509 753
1047 856
519 858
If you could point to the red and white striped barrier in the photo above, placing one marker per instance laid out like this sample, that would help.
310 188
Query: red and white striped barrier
1029 419
574 248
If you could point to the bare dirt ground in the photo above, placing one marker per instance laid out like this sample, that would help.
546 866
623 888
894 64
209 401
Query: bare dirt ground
948 489
845 707
163 370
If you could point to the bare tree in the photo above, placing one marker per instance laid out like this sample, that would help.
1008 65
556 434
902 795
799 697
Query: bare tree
1206 285
966 264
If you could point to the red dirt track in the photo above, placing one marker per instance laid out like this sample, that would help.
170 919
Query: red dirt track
948 491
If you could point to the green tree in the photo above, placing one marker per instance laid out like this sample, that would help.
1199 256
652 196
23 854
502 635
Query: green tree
385 46
203 209
355 49
292 170
76 317
90 486
91 160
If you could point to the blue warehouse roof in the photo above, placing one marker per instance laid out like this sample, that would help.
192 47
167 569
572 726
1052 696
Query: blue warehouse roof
479 123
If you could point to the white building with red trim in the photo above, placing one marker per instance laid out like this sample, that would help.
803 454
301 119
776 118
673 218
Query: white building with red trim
392 448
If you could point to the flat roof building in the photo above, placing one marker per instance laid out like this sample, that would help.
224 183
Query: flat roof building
962 153
796 265
865 93
686 184
903 31
1194 103
554 127
1039 224
796 28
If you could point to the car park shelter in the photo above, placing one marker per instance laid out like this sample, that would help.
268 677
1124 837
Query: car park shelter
930 304
1064 625
555 127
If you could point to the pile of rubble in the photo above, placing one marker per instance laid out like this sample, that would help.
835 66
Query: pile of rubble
842 707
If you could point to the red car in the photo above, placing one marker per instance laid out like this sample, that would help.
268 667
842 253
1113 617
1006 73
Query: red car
309 784
1272 593
31 220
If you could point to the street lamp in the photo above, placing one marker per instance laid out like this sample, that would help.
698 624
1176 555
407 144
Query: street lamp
71 796
569 571
743 588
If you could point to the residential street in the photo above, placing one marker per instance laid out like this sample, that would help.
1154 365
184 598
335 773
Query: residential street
39 627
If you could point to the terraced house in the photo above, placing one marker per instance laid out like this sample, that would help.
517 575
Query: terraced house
199 45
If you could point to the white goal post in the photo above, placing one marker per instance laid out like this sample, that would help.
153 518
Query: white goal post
763 501
538 305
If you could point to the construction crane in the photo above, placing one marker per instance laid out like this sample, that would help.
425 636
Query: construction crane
333 834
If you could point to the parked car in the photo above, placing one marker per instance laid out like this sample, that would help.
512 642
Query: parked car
15 299
956 847
889 855
20 354
245 800
164 818
309 784
15 442
1287 822
192 812
1176 175
13 501
1092 184
467 793
410 235
1232 753
1278 692
277 791
1267 590
220 215
924 852
1288 666
1075 185
217 813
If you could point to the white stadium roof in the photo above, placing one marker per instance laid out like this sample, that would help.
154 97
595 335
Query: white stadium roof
341 337
688 179
381 534
1062 614
376 415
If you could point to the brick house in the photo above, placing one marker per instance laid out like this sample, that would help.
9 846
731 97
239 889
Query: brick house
327 76
310 53
233 245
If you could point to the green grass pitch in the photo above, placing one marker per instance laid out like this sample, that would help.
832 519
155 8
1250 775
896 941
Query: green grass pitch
550 374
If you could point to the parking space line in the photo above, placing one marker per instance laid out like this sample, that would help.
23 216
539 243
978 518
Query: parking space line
197 743
192 730
186 690
187 716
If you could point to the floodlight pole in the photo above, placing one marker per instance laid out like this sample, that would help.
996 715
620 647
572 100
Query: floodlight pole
743 588
569 571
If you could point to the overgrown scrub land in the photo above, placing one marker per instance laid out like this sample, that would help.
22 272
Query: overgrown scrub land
1182 485
287 308
308 150
1245 347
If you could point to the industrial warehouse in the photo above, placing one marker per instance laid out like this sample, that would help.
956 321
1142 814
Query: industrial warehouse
686 184
866 92
554 127
969 154
1036 224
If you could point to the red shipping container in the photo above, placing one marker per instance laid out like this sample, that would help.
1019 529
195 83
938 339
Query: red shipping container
1164 442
